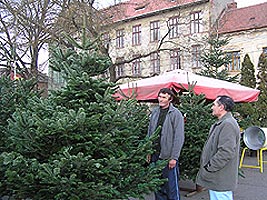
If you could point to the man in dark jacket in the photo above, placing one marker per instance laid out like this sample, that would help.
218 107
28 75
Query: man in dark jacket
220 156
169 144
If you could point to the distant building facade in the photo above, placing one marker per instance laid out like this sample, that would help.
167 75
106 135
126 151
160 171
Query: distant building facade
247 28
168 34
159 35
149 37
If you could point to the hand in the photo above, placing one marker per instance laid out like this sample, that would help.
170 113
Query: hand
172 163
148 158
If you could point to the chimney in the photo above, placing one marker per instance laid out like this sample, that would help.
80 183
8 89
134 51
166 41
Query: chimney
231 6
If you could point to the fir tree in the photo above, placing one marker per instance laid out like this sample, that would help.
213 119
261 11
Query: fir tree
79 143
262 86
197 124
247 111
214 60
247 73
14 95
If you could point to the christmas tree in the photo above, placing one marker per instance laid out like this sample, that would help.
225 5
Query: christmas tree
14 95
214 60
247 111
262 86
248 73
79 143
198 120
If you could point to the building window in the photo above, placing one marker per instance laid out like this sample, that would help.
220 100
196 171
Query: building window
235 63
57 79
175 59
155 62
174 27
136 67
119 68
120 38
106 39
154 31
196 24
136 38
106 74
196 56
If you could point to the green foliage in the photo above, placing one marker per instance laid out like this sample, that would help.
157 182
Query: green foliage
13 95
79 143
197 125
84 160
68 61
247 112
262 86
214 60
247 73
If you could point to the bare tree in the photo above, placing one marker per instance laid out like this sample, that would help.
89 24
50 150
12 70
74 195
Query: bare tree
25 29
26 26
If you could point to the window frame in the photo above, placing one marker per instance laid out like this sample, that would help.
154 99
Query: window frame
154 31
196 22
155 62
106 39
136 66
196 56
119 69
136 35
57 78
120 38
174 27
235 64
175 59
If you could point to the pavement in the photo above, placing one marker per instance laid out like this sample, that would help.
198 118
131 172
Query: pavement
253 186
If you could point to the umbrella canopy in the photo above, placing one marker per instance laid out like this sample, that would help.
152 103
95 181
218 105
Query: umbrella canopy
148 88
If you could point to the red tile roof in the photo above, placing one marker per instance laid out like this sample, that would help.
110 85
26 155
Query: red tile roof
240 19
135 8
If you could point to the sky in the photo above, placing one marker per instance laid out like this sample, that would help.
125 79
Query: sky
240 3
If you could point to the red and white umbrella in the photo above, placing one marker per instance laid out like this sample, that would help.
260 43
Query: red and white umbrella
148 88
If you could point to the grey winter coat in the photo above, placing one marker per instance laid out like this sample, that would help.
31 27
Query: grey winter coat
172 132
220 156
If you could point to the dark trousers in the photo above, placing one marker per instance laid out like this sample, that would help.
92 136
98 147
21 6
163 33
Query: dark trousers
170 189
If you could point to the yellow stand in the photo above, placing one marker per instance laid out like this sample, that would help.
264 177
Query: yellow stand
259 158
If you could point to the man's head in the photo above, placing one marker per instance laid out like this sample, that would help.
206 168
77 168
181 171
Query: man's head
165 96
222 105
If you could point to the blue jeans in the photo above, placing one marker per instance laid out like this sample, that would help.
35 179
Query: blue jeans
226 195
170 189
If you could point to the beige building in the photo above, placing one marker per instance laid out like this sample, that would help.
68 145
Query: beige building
162 35
247 28
150 37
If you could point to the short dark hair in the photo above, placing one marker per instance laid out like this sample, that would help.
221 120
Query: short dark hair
227 102
167 91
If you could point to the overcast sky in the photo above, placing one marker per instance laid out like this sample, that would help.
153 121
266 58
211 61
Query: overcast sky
240 3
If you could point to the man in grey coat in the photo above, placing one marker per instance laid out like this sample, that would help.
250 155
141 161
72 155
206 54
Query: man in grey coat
220 156
169 143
